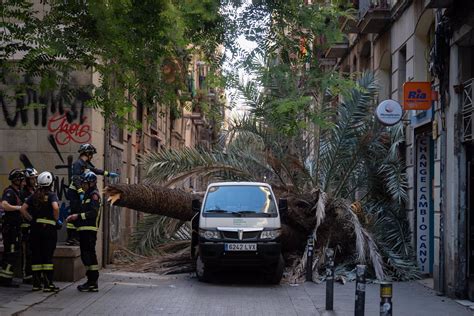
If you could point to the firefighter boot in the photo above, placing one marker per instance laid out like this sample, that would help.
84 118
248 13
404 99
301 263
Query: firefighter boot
48 283
37 278
88 287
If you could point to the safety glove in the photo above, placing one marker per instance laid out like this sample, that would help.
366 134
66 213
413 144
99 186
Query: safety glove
59 224
113 175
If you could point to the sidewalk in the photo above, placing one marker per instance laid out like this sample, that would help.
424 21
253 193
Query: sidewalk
17 300
409 298
125 293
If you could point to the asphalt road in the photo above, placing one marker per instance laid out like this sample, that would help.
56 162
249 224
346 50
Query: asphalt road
123 293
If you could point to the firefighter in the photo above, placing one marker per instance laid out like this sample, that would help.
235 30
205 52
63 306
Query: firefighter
87 223
75 193
28 189
42 209
11 203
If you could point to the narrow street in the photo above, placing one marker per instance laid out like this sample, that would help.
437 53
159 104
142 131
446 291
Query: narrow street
124 293
141 141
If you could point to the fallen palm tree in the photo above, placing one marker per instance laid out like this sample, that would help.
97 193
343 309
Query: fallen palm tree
349 196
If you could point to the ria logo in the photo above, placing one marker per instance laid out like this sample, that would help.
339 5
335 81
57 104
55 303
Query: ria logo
418 94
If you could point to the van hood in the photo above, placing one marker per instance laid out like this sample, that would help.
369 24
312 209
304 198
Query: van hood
227 223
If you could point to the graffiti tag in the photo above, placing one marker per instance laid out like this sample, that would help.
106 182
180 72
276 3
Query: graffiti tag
51 102
64 132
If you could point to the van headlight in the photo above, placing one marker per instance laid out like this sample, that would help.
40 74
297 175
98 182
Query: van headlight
209 234
270 234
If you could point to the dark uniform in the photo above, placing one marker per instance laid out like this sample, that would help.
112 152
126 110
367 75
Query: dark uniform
87 226
11 235
75 191
25 193
43 239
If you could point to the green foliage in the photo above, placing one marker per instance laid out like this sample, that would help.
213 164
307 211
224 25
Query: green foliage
127 42
287 81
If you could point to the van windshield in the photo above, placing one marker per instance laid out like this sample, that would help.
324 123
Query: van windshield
239 201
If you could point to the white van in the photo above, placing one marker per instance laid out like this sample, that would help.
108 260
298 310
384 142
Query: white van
239 226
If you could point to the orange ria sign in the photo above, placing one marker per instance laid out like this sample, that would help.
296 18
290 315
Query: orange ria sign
417 95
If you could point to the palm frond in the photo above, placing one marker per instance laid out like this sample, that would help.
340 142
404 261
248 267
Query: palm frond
320 210
364 243
166 165
341 145
154 230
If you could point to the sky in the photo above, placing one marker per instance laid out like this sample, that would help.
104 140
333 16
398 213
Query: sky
240 109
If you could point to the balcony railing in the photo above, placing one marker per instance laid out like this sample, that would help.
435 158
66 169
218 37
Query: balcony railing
337 50
374 15
468 110
366 5
438 3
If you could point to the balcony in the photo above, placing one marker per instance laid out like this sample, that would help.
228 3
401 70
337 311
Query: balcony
374 16
196 111
438 4
349 26
337 50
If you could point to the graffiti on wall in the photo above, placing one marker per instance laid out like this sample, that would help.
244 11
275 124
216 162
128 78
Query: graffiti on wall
67 124
65 132
62 115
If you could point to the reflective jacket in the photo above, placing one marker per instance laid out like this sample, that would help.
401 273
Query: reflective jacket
89 218
78 168
42 211
12 196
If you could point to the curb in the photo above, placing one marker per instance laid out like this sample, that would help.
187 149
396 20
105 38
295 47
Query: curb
21 304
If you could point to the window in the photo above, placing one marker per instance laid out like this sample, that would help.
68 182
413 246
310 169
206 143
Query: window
402 71
240 200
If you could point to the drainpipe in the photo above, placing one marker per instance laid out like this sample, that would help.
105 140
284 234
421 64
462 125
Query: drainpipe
442 220
442 256
106 207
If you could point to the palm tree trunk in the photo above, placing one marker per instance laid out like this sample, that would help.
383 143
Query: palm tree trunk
153 199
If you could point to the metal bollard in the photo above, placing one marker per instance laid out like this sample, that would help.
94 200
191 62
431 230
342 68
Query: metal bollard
309 259
329 279
360 291
386 307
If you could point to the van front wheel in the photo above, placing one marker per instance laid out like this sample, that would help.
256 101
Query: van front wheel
276 273
202 272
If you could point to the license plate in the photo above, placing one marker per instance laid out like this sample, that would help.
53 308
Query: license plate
240 247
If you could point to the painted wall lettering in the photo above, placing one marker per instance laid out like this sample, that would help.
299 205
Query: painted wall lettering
65 132
42 105
423 204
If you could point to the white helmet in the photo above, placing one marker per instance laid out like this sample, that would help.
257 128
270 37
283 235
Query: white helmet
31 173
45 179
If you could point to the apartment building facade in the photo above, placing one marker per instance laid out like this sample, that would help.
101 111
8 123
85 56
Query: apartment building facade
426 41
45 129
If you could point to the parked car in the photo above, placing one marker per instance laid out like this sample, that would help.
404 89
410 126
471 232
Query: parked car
238 225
